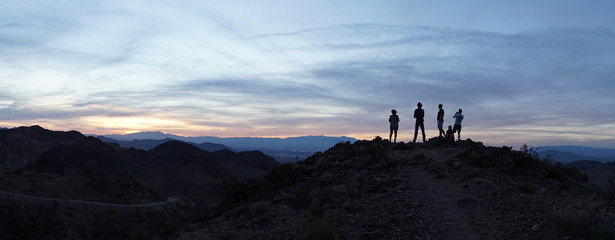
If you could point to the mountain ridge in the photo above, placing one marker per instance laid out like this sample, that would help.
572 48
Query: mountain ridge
311 142
288 149
582 150
147 144
570 153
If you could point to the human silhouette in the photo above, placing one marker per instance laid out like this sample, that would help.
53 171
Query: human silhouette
394 120
440 121
450 134
419 114
457 128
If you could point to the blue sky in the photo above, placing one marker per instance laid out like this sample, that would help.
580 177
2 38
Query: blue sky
536 72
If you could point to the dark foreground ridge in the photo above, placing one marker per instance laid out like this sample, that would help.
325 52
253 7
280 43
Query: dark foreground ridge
438 190
53 188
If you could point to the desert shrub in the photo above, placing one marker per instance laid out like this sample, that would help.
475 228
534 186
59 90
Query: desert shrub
584 225
353 206
419 157
347 164
226 236
523 162
231 189
322 165
324 195
316 211
527 187
376 152
241 210
474 160
611 181
481 161
259 213
258 208
360 163
300 198
530 151
326 179
384 164
320 230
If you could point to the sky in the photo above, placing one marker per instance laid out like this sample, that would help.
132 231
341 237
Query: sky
534 72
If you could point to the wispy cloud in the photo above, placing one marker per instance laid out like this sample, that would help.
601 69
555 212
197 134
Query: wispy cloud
188 69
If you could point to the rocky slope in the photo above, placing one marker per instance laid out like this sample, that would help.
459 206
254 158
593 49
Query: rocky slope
174 167
23 145
82 156
439 190
45 175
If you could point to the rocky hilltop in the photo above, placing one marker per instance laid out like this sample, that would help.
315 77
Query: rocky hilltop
23 145
363 190
438 190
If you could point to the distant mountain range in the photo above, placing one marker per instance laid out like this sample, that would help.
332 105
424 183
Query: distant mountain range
147 144
567 154
282 149
56 152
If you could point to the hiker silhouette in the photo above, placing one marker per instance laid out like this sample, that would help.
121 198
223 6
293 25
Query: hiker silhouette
440 120
457 128
394 120
450 134
419 114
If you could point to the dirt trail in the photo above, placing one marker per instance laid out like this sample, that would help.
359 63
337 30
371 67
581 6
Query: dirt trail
446 204
73 203
446 207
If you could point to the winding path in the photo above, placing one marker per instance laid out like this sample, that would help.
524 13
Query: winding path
169 204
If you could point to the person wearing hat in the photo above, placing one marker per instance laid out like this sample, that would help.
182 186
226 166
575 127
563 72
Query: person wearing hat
394 120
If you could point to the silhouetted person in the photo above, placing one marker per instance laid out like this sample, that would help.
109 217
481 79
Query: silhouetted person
450 134
394 120
441 120
419 114
457 128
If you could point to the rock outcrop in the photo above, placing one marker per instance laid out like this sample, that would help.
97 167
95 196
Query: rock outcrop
439 190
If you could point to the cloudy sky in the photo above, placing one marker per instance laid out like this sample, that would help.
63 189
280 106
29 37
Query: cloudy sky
536 72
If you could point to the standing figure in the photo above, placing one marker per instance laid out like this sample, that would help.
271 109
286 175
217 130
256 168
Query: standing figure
419 114
441 121
450 135
394 120
457 128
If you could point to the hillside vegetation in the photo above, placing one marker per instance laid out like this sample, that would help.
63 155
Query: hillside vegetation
362 190
438 190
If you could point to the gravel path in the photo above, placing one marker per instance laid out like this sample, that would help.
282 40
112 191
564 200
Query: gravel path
73 203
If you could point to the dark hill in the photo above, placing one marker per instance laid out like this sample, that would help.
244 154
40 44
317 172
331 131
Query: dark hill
175 167
600 174
585 164
175 158
37 149
82 157
175 149
246 165
23 145
439 190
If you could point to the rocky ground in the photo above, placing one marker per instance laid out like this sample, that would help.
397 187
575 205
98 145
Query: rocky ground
438 190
